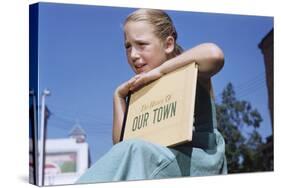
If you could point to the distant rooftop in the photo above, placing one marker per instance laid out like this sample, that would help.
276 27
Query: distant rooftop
77 130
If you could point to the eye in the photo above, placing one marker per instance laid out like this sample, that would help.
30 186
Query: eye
127 45
142 45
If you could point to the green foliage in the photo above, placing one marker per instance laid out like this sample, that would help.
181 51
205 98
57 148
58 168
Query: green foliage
238 122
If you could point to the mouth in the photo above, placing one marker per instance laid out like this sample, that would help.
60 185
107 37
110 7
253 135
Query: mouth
140 67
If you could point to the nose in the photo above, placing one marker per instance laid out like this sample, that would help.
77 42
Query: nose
134 54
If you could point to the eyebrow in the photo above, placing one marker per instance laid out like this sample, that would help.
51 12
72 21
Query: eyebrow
137 41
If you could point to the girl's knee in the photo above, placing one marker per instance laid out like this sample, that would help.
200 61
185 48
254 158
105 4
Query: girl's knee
134 145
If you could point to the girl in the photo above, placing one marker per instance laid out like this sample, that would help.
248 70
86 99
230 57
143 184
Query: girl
152 51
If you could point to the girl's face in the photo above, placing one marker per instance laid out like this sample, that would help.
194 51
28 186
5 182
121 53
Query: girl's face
144 50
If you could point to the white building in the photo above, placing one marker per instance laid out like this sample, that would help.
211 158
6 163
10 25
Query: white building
66 158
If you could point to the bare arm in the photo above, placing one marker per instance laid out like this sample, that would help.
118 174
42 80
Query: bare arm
119 107
208 56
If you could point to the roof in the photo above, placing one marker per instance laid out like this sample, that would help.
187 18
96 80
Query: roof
77 130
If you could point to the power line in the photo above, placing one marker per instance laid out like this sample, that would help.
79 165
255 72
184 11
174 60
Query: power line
69 123
253 90
257 77
248 87
71 119
63 110
67 128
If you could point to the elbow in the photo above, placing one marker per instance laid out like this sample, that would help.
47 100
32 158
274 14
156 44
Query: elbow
217 57
114 140
214 59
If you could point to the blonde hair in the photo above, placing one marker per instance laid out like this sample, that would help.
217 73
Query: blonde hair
162 23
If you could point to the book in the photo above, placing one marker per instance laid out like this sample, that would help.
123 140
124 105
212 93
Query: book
162 112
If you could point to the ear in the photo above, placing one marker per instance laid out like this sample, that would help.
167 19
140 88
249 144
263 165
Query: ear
169 44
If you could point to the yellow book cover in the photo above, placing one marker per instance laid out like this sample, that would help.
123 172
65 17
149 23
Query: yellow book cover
162 112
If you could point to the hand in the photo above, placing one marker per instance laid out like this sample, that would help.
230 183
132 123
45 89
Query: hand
123 90
144 79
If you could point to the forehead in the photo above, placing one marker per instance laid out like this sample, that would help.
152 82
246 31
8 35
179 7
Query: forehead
138 30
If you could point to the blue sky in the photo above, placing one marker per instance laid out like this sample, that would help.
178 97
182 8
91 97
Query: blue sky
82 60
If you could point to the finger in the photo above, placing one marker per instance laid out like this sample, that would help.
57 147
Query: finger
131 81
138 84
137 76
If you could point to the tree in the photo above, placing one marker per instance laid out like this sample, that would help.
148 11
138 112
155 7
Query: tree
238 123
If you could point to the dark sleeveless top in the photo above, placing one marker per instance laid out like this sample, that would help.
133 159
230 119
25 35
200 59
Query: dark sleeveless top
205 123
204 113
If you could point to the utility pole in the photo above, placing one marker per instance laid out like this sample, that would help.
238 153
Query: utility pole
45 93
